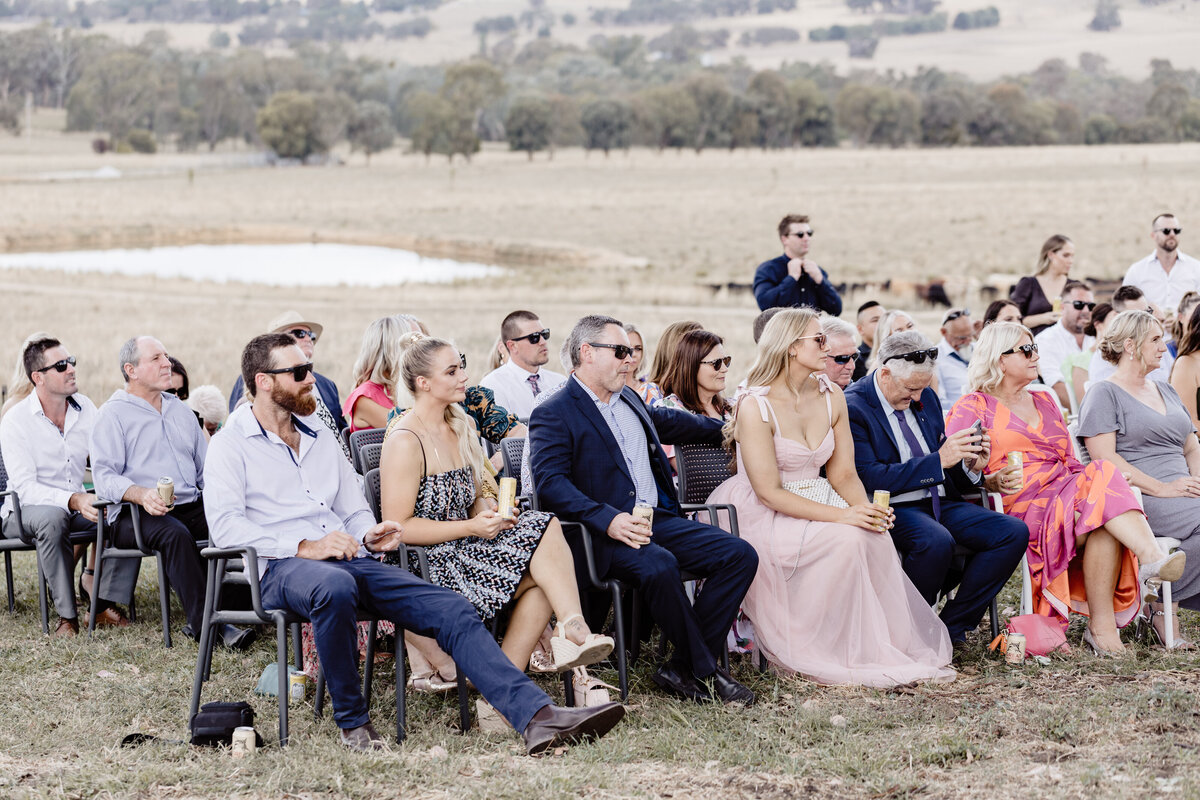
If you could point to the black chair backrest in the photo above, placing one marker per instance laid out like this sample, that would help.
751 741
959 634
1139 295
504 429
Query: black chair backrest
369 456
360 439
514 451
3 474
701 468
371 483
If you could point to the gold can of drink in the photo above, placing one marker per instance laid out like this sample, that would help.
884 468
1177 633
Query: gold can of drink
297 687
1015 654
243 743
508 497
166 490
1056 304
883 498
643 511
1016 460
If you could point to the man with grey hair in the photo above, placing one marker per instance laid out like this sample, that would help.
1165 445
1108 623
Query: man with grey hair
843 351
596 454
141 434
954 354
900 446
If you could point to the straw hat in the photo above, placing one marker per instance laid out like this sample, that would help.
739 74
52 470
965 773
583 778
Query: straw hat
289 320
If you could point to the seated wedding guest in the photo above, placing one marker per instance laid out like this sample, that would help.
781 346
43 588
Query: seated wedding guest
19 385
1087 533
375 374
1034 294
596 455
869 314
1187 304
1002 311
45 445
282 487
760 322
209 406
844 354
1138 423
522 377
1065 338
436 485
819 539
695 378
1080 365
179 379
498 355
1185 376
141 434
954 353
637 373
663 353
890 322
1126 298
900 446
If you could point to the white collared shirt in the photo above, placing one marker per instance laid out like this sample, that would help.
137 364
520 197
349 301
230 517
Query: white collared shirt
45 465
906 453
1054 345
1099 370
510 383
951 372
260 493
1163 289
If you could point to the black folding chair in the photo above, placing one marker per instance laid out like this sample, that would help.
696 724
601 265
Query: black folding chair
513 449
360 439
369 454
9 546
106 551
701 469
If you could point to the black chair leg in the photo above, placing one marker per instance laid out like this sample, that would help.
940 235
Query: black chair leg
995 615
8 578
164 598
297 647
43 602
401 681
319 699
369 666
281 661
204 651
619 625
464 703
568 689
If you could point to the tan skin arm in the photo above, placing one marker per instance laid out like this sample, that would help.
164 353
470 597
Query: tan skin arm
1079 376
1104 446
369 414
1184 380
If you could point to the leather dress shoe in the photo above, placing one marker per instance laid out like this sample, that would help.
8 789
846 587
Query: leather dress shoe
364 737
111 617
66 628
724 689
680 684
552 726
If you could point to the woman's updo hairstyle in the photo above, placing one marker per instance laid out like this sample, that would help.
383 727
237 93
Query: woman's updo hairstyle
1136 325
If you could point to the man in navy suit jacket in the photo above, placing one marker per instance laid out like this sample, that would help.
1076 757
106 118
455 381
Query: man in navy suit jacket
595 453
894 414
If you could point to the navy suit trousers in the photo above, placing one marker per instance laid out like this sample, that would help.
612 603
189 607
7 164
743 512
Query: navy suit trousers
329 593
996 541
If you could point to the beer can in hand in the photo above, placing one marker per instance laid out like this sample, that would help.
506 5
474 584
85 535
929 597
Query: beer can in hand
297 687
166 490
1015 654
508 497
1016 460
883 498
243 743
643 511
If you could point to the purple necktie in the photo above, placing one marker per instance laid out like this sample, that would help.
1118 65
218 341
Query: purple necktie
533 379
917 452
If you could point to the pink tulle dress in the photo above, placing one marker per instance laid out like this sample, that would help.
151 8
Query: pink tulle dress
830 601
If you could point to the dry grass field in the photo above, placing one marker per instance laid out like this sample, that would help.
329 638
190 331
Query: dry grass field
639 236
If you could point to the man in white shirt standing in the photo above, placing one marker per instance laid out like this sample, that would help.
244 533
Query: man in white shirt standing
1066 337
1167 274
44 439
520 379
954 354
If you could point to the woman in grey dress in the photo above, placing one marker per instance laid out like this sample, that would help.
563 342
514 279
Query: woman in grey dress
1143 428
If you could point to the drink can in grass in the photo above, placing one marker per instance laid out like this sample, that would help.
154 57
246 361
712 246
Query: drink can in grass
297 687
243 743
166 490
508 497
1015 654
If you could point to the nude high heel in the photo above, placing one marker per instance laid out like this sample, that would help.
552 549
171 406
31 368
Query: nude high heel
568 655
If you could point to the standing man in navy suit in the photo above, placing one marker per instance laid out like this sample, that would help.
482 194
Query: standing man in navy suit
900 445
595 453
793 279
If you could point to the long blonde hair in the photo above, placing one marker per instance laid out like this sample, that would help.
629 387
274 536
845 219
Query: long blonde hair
1052 245
379 355
19 386
416 361
883 329
984 373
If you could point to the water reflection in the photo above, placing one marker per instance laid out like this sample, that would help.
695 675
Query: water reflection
272 264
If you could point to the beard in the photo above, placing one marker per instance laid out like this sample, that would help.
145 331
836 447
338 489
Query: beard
302 403
1170 246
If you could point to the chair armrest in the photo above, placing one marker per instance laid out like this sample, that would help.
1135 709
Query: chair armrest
589 556
219 555
134 514
16 509
422 555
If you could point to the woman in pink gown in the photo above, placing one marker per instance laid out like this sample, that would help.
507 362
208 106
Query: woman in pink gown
830 600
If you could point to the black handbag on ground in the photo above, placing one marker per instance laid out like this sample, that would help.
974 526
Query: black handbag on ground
213 724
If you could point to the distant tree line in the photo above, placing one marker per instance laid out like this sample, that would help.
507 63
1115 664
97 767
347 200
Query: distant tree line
617 92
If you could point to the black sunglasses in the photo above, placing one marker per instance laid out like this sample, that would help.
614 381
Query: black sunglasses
845 359
61 366
462 360
1080 305
534 337
953 315
916 356
801 234
717 362
299 372
621 351
1027 349
1169 231
300 333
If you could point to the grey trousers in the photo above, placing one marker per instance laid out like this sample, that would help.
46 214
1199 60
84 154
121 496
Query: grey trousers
48 528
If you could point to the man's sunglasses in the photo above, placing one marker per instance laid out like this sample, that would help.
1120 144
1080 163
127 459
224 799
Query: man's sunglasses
845 359
534 337
300 333
60 366
953 315
717 363
916 356
299 372
462 360
621 351
1080 305
801 234
1026 349
1170 231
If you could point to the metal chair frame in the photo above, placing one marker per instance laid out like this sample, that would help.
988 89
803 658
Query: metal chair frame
106 551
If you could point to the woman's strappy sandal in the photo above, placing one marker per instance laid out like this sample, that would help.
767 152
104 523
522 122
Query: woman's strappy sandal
568 655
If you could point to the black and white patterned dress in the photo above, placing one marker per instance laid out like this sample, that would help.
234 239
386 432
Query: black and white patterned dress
485 571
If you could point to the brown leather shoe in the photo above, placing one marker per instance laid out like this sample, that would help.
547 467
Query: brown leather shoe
112 617
552 726
364 737
66 629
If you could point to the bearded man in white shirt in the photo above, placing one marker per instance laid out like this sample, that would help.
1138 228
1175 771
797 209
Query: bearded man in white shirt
520 379
1167 274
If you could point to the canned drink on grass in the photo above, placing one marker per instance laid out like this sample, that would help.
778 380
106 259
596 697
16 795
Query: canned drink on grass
243 743
166 490
1015 654
297 687
508 497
